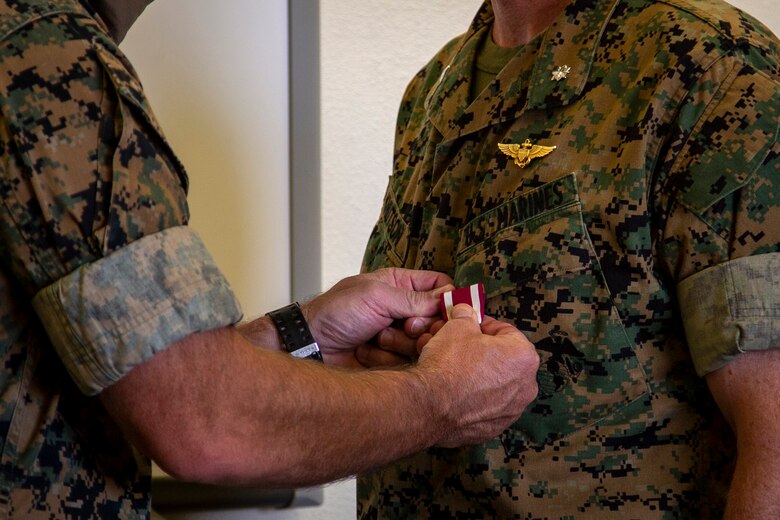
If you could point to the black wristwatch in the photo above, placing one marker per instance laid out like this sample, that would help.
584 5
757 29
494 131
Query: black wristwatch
295 333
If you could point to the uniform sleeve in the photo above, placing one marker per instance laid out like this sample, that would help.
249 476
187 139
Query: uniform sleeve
94 212
111 315
722 220
730 309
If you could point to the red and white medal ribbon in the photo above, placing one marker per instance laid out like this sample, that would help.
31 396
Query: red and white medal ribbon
473 295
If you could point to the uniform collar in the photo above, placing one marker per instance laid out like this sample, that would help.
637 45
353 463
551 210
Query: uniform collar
570 41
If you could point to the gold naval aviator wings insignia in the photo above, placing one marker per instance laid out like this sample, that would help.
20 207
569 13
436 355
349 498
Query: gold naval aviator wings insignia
526 152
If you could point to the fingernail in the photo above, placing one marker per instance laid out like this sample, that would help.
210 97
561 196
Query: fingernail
384 339
417 327
443 289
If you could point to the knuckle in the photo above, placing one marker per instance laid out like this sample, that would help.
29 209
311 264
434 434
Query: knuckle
532 390
534 361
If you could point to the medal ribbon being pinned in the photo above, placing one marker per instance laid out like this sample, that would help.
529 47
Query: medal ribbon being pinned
473 295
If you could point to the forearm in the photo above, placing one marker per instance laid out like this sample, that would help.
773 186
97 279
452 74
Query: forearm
233 413
261 332
746 390
755 487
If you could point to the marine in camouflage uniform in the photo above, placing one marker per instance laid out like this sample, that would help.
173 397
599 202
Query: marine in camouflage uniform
638 255
92 227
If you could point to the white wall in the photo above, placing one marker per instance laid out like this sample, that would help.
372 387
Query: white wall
764 10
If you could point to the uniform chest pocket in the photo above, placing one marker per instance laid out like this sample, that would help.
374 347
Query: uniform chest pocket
541 273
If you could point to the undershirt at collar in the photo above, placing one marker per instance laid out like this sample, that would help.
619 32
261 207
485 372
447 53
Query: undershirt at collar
488 62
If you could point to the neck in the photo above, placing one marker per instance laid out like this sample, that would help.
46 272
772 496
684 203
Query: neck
119 15
517 22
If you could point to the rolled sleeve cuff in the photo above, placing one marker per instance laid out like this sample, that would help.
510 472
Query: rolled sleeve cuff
730 309
114 314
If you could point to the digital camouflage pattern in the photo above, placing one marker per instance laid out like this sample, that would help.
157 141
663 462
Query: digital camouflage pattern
93 238
664 179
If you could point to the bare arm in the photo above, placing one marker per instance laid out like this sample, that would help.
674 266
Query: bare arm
748 392
214 408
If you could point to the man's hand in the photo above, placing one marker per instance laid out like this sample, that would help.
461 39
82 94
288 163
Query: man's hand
482 380
365 306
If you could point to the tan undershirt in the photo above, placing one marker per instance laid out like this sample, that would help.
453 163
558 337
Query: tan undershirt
488 62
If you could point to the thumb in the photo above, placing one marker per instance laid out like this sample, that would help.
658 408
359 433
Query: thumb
463 311
463 320
407 303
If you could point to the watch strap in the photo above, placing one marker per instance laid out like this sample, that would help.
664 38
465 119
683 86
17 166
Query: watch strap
295 333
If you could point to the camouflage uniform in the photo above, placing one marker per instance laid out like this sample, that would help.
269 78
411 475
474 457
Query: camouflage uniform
656 217
94 249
